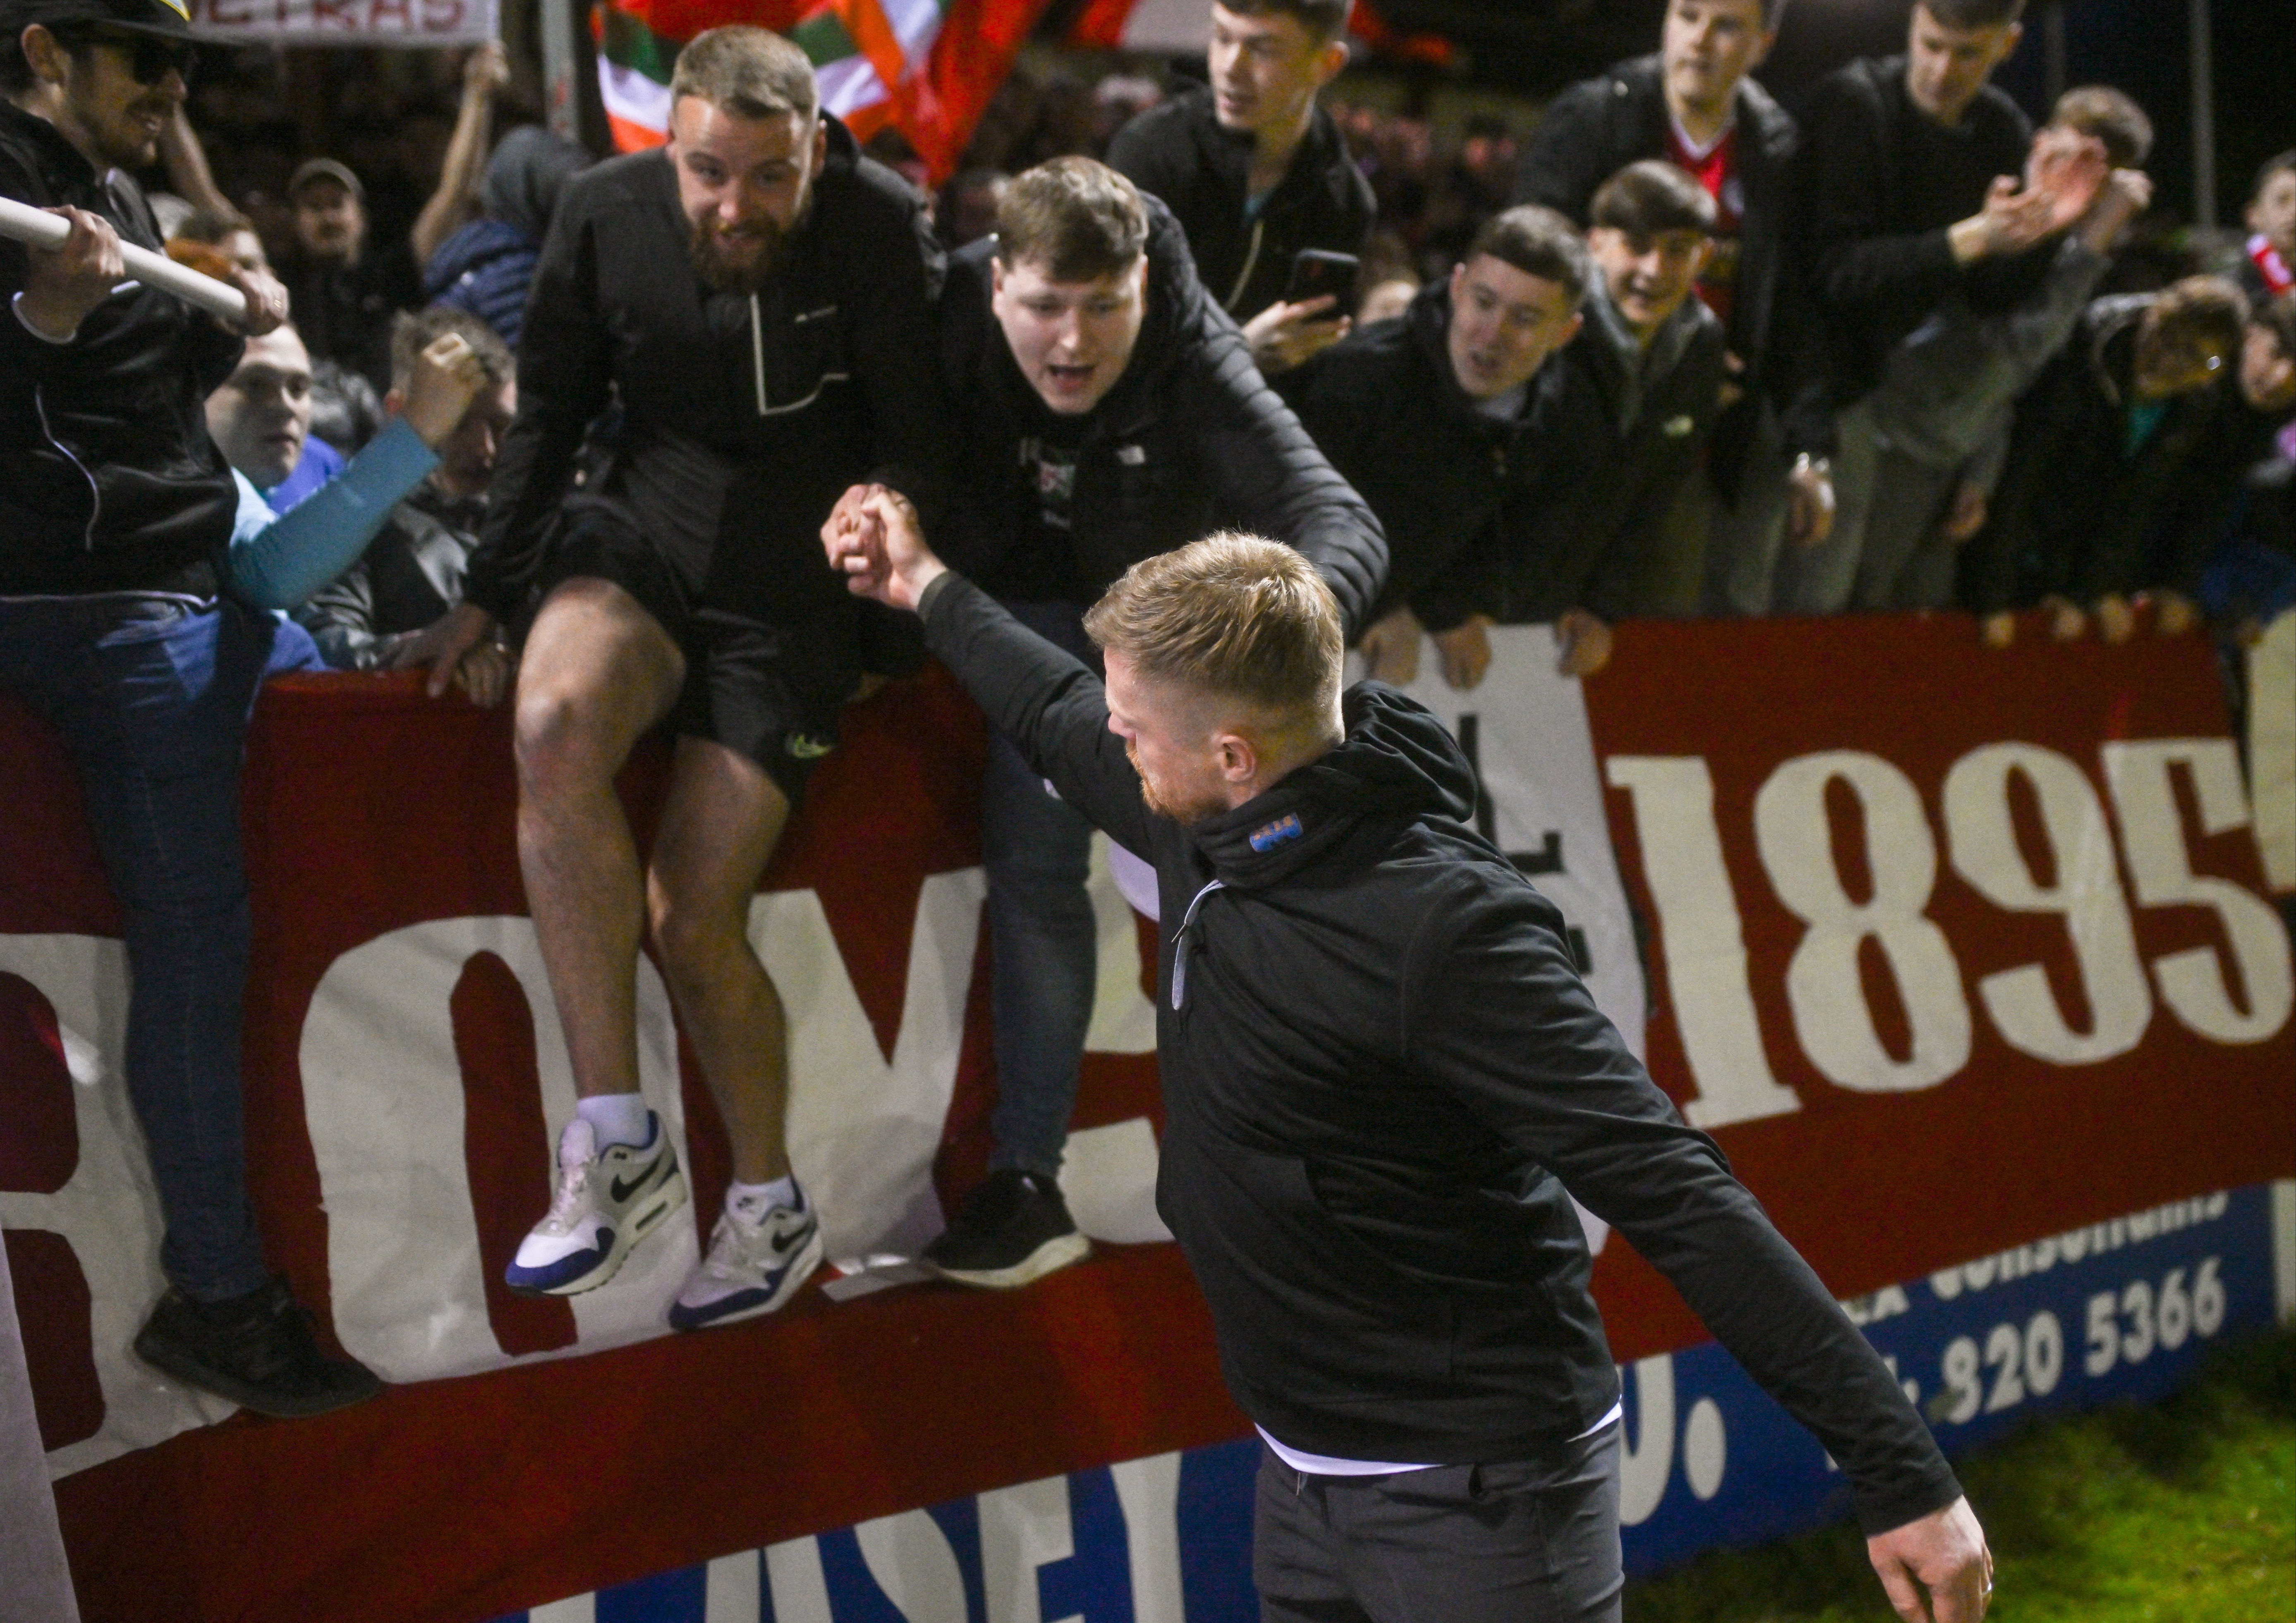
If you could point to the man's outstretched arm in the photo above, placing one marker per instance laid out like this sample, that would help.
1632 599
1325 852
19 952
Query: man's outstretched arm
1501 1020
1037 695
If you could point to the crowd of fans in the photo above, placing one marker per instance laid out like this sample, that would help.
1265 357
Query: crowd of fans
1845 432
1668 349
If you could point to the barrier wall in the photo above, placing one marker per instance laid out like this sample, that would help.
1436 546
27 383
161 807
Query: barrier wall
1960 955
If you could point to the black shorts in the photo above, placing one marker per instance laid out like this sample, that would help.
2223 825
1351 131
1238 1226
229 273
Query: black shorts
769 692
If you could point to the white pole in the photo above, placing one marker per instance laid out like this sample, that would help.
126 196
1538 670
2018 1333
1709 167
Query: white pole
2204 116
45 230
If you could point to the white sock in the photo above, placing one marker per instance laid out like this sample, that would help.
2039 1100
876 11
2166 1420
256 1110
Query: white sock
618 1119
752 1202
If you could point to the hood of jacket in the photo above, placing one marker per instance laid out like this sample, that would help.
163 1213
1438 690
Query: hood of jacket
1394 766
524 177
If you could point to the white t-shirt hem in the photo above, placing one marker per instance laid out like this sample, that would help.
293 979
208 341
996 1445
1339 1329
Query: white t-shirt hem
1331 1465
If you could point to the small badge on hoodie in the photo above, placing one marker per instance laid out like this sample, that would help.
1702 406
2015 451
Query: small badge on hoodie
1285 827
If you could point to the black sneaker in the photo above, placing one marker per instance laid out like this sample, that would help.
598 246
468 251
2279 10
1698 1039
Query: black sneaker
1013 1228
254 1349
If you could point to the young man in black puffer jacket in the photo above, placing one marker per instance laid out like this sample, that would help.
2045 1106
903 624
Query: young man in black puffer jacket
1254 171
1383 1083
1112 413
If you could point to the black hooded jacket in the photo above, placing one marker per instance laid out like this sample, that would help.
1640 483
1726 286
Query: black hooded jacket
2080 512
1179 153
1456 489
109 481
1191 438
1380 1073
743 418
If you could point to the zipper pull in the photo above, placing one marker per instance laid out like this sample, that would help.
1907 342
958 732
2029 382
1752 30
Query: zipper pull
757 352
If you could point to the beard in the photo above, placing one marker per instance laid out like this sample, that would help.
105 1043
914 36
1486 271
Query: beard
1185 812
742 262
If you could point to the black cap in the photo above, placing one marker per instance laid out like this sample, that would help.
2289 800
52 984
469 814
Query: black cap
169 17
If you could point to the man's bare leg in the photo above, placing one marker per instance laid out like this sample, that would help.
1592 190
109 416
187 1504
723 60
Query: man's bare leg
720 825
598 671
719 828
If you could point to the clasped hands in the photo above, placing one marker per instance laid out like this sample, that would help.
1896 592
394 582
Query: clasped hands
874 539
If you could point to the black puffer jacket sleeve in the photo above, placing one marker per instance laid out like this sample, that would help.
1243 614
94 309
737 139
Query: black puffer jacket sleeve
1269 476
565 376
895 357
1497 1013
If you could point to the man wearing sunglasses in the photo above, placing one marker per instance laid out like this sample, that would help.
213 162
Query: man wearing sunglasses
115 509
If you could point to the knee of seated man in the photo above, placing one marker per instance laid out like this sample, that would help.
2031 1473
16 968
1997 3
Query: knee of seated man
694 934
560 738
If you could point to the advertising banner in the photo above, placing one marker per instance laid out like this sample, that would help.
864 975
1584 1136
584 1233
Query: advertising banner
345 22
1954 951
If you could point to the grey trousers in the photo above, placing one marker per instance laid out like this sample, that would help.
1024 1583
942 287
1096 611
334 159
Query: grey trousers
1534 1541
1904 561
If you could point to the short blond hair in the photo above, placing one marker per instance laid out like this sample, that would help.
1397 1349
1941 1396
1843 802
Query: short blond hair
753 72
1234 615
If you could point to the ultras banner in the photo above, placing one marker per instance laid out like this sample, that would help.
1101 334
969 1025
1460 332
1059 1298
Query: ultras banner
1952 949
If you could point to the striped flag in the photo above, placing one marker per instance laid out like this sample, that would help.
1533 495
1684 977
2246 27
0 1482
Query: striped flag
925 67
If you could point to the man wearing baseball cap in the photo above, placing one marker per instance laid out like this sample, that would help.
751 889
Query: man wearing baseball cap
115 510
348 287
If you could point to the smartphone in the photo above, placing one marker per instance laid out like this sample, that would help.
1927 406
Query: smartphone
1316 272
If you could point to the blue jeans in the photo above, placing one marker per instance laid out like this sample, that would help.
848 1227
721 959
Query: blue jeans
1044 947
151 696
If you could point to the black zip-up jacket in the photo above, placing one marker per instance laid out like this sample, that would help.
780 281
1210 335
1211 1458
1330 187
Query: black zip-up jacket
1456 489
743 418
1879 184
109 481
1179 153
1588 540
1190 439
1601 125
1381 1073
2076 513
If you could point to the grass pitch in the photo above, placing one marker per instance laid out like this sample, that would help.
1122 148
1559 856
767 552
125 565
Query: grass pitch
2180 1511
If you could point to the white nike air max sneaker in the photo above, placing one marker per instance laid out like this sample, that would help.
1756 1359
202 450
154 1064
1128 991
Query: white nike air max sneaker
608 1200
754 1266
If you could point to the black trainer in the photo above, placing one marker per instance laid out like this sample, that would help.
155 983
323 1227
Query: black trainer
254 1349
1013 1228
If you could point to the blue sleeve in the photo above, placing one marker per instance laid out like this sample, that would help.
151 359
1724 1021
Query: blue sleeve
277 562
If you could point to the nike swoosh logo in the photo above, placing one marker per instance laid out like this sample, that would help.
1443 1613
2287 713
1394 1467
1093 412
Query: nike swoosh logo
622 1191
